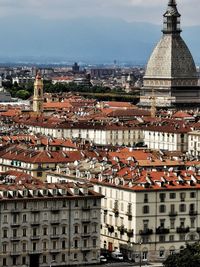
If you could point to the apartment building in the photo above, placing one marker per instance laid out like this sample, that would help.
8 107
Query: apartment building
194 143
149 213
49 224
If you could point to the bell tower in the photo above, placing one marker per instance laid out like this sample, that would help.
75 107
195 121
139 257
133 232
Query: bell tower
38 98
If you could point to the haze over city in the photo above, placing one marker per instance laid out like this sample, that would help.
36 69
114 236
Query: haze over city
76 30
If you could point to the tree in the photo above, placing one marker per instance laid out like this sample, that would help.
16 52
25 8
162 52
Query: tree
23 94
187 257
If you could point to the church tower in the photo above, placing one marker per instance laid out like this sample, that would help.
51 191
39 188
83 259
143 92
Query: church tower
171 72
38 98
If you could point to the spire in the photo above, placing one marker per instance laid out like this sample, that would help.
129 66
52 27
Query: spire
172 3
171 23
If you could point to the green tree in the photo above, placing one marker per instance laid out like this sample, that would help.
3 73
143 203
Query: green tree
187 257
23 94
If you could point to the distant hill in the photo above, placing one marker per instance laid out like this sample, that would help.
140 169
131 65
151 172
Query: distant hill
91 40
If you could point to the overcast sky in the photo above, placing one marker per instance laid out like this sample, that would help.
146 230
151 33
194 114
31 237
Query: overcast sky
129 10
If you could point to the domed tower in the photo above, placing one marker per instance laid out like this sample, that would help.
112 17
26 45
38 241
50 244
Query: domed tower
171 76
38 97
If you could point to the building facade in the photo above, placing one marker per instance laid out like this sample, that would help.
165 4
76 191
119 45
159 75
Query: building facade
49 225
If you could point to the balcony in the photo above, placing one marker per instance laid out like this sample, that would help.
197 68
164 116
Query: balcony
55 222
182 230
129 214
86 208
15 211
15 239
15 224
146 232
85 220
162 231
35 237
116 212
85 234
35 223
35 252
129 233
85 249
121 229
54 251
55 209
54 236
15 253
193 213
173 213
111 228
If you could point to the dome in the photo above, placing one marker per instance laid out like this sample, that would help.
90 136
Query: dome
171 58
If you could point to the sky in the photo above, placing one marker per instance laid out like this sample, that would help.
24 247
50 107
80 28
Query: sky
128 10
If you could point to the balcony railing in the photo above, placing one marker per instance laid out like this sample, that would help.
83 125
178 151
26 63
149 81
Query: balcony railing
173 213
86 208
146 232
182 230
162 230
193 213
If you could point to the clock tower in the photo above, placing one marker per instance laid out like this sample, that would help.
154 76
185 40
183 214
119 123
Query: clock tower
38 97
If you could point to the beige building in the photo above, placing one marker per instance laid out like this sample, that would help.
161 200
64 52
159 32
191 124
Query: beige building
49 224
152 213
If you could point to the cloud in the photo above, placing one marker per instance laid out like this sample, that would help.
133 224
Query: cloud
129 10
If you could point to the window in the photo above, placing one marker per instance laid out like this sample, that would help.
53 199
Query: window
145 198
162 223
24 218
39 174
45 205
192 222
24 247
23 260
76 203
192 194
162 208
145 209
94 202
53 257
172 223
182 196
171 238
5 219
162 253
63 244
5 233
4 248
24 232
44 245
63 257
14 232
4 262
94 243
162 197
24 205
34 231
182 208
54 230
85 229
76 229
63 230
76 243
85 243
75 256
172 195
54 244
161 238
34 246
182 222
44 259
182 237
45 231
